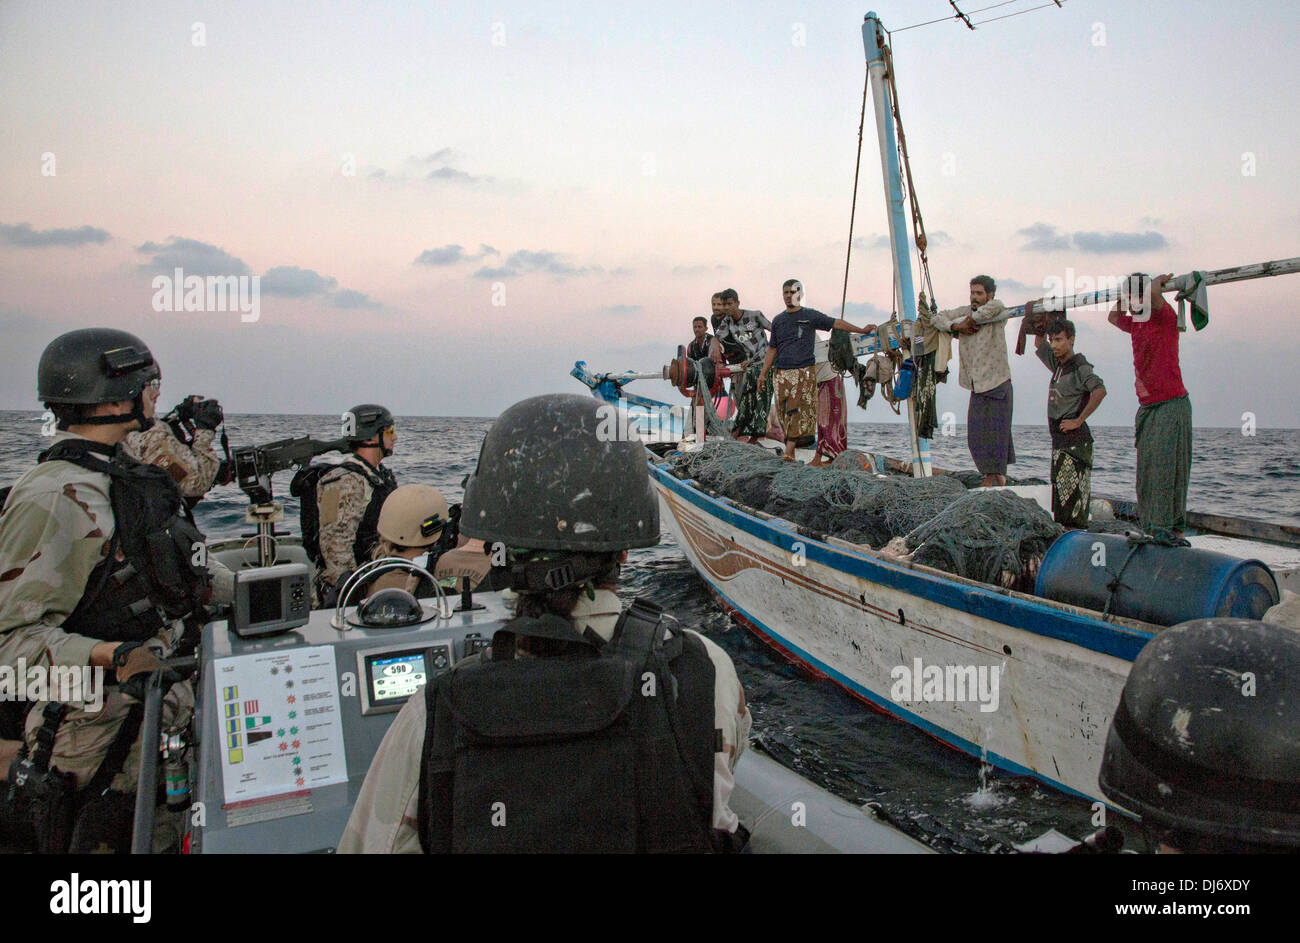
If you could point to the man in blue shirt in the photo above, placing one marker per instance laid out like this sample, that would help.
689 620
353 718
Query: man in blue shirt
790 351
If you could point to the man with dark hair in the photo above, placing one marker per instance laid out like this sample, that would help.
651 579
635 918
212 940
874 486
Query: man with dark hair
716 317
1075 394
790 351
986 372
1163 426
704 346
743 336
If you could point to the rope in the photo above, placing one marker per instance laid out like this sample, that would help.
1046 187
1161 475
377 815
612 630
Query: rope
918 224
853 209
965 17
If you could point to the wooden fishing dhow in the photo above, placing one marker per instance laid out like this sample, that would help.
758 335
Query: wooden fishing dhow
1028 680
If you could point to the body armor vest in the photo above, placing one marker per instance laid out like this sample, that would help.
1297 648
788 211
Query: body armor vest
158 547
607 747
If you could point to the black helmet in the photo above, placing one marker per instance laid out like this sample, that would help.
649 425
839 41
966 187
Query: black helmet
94 365
552 475
370 420
1204 740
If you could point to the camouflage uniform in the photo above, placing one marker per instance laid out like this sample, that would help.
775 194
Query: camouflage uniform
342 499
56 526
193 467
385 819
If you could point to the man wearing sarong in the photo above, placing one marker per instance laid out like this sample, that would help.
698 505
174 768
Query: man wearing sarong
1163 427
1075 394
832 415
790 351
986 372
743 336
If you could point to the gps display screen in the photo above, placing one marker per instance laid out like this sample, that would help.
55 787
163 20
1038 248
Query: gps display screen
263 601
395 676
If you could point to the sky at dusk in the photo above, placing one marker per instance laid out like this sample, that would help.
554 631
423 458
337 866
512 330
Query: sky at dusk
449 204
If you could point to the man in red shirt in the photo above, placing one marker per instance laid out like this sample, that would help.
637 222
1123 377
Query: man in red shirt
1163 427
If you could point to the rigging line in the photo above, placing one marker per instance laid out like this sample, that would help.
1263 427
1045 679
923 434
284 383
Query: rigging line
960 15
1007 16
944 19
857 170
918 224
993 7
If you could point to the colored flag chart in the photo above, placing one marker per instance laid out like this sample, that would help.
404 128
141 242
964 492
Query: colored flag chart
281 722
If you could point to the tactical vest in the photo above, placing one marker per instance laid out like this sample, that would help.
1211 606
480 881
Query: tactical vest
608 748
162 565
305 481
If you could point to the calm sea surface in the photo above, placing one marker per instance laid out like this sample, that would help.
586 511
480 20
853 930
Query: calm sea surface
935 792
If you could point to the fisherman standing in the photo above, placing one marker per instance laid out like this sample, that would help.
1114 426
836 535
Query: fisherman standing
986 372
1075 394
583 728
341 503
743 336
99 569
1163 426
790 351
705 345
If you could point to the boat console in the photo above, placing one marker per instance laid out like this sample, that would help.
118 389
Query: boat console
287 726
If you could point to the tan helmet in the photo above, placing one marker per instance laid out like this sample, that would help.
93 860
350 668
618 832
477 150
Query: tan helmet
413 516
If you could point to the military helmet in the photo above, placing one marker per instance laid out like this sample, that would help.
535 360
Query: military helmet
554 474
413 516
369 420
1204 738
94 365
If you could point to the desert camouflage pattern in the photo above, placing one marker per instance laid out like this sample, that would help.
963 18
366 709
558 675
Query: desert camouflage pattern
56 526
193 468
385 819
342 498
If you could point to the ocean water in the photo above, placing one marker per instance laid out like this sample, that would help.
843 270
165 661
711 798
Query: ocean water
938 794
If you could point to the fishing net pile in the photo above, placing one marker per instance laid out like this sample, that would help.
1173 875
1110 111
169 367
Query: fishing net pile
991 536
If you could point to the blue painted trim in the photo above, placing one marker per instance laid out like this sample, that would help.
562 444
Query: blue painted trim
1034 617
892 707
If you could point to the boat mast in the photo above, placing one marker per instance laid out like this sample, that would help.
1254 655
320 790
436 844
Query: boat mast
873 39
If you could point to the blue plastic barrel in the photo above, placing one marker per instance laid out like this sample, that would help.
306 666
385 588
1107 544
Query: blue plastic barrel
1162 585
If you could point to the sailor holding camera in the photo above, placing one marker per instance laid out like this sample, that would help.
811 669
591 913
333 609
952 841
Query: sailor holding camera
181 445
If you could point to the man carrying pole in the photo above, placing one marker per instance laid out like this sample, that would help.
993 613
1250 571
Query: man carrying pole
1163 427
985 371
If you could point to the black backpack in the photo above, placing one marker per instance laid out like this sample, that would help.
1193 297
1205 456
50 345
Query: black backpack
608 747
303 487
162 565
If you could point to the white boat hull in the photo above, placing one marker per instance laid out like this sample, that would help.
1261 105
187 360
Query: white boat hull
858 620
